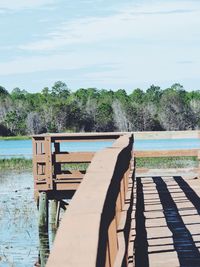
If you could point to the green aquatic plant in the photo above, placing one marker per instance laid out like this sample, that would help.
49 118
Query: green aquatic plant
26 164
167 162
15 164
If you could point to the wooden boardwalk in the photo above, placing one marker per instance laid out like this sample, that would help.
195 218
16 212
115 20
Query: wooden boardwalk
167 226
116 218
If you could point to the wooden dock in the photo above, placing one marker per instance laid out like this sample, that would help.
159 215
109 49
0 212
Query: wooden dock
116 218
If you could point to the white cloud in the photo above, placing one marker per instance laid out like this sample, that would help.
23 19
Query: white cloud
70 61
158 21
23 4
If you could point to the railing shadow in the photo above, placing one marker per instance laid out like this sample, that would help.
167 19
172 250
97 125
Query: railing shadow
141 244
182 240
184 245
189 192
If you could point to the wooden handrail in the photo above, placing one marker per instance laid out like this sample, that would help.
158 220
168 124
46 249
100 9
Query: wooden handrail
87 235
167 153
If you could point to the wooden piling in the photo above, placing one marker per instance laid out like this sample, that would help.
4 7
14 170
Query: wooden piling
43 212
54 206
43 248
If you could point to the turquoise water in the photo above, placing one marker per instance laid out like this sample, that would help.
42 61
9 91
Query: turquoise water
167 144
23 148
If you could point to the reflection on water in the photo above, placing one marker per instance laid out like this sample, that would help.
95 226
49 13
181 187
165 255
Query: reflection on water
19 238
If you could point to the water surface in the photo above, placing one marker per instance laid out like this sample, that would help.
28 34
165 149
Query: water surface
18 220
23 148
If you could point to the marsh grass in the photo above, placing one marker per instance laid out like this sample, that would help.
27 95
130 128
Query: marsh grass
26 164
75 166
15 164
167 162
157 163
10 138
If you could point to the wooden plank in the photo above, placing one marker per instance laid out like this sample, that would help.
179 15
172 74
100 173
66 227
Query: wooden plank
81 136
42 187
72 175
166 153
40 177
67 186
40 158
67 181
74 157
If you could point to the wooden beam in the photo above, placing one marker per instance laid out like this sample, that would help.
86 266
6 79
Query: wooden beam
70 175
167 153
74 157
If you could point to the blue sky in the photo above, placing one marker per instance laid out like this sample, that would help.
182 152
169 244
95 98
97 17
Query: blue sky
104 44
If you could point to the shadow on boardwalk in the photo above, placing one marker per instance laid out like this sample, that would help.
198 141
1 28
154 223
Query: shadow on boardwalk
175 206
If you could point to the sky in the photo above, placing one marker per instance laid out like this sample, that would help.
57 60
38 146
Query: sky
107 44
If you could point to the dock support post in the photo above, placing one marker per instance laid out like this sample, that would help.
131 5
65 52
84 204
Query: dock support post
43 248
54 206
43 212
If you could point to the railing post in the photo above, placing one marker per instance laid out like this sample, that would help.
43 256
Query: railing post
48 156
198 157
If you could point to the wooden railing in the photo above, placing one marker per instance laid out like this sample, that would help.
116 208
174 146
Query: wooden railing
93 231
48 160
167 153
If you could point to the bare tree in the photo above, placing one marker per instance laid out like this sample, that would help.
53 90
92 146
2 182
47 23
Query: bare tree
121 121
34 124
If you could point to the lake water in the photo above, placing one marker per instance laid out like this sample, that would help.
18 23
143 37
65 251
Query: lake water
23 148
18 220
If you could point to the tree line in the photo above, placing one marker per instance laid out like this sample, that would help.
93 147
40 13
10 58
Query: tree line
58 109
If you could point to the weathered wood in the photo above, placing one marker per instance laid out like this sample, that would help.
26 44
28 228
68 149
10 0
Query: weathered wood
58 213
43 212
54 206
43 248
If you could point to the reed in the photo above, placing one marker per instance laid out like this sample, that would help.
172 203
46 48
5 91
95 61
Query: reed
167 162
157 163
26 164
15 164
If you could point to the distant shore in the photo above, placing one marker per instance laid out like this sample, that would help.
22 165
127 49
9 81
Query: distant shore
18 137
138 135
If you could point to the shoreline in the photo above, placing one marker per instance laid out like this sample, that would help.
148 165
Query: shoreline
23 164
138 135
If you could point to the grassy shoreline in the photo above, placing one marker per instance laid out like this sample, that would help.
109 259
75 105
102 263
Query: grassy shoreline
167 162
10 138
158 163
15 164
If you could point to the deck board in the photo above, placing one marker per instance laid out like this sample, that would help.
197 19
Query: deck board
167 219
